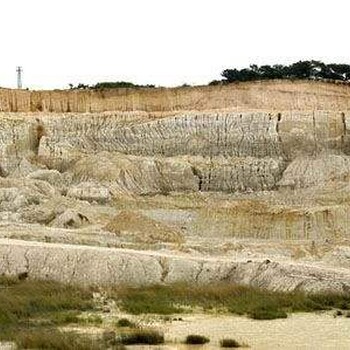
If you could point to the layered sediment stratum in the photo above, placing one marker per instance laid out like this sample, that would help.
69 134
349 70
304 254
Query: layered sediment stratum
271 95
235 170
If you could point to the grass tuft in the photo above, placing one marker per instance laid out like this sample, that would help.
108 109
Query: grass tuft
66 317
267 312
142 336
196 339
7 281
229 343
124 322
150 300
50 339
91 319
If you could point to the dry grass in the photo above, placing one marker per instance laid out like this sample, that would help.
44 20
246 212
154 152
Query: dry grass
142 228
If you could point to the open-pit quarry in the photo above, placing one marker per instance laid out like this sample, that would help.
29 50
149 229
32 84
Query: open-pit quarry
243 184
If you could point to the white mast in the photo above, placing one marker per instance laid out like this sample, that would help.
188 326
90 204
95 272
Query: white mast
19 71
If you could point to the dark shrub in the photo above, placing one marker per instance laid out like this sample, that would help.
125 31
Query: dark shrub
229 343
142 336
124 322
196 339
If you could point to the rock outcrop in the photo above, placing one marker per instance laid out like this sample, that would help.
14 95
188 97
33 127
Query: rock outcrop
104 266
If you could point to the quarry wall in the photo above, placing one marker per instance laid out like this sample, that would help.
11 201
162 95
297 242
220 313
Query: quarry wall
279 153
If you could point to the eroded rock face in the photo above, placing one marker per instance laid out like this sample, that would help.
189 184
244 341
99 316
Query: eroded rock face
134 174
211 151
214 133
273 95
103 266
17 140
200 171
17 194
316 170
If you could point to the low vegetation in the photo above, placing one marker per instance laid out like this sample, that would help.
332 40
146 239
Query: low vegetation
125 323
142 336
195 339
41 338
150 300
67 317
23 300
31 311
267 312
253 302
92 319
229 343
110 85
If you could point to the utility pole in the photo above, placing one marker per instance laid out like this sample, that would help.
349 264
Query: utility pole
19 71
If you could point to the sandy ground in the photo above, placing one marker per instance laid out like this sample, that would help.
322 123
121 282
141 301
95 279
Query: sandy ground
299 331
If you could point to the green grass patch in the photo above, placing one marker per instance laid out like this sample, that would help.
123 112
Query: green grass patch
39 338
45 303
67 317
91 319
30 311
23 300
267 312
253 302
154 300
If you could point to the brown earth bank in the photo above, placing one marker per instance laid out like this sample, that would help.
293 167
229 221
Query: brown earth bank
272 95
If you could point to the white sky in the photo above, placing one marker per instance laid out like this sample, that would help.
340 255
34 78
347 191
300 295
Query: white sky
164 42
